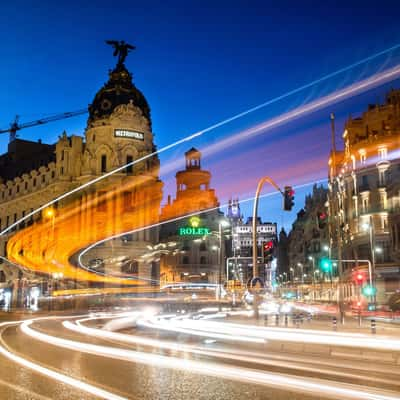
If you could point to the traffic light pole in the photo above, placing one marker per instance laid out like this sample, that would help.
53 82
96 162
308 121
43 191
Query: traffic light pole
255 247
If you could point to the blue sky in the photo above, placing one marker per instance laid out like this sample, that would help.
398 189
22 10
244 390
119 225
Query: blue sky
197 62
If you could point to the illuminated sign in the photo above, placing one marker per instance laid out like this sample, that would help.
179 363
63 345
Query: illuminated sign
126 133
193 231
194 222
194 228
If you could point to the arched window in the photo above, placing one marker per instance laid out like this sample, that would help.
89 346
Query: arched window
103 163
129 168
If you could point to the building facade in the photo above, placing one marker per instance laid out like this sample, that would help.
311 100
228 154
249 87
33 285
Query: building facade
191 247
364 196
118 132
240 264
307 242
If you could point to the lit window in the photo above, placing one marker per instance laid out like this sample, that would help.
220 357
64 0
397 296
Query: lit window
382 153
363 158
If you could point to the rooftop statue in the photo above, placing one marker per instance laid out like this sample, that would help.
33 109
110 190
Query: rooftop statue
121 49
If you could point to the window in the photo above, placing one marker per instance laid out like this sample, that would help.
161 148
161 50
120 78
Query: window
203 247
185 260
382 177
17 188
26 185
203 260
365 204
382 153
129 169
53 174
363 158
103 163
34 182
43 178
364 180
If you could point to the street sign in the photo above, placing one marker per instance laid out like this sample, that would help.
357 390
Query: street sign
255 285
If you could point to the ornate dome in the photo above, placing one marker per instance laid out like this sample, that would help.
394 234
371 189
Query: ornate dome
118 90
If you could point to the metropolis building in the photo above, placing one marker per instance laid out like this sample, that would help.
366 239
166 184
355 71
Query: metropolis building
118 131
364 197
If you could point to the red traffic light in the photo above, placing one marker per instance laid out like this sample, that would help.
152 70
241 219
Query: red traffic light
359 277
268 245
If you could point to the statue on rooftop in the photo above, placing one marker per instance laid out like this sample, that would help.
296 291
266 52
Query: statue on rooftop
121 50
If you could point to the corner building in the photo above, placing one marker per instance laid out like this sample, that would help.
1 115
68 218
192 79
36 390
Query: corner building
364 197
118 132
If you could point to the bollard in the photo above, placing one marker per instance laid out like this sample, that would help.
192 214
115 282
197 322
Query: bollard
277 319
286 320
334 323
373 326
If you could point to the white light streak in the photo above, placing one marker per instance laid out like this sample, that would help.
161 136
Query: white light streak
83 386
304 384
203 131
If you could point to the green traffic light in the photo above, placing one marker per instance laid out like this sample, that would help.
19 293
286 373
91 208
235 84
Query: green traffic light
326 264
369 290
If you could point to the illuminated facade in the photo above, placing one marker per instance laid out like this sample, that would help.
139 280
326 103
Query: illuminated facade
364 195
118 132
196 249
308 239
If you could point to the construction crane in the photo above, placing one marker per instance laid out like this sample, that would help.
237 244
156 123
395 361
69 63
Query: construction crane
15 126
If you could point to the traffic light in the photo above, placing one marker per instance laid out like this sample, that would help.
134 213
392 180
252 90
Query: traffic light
321 219
326 264
369 290
268 249
360 278
288 198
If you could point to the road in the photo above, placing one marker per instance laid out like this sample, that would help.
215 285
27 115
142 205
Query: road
142 356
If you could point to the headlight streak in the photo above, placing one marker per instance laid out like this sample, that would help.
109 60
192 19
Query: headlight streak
249 199
231 354
356 88
201 132
80 385
280 381
209 328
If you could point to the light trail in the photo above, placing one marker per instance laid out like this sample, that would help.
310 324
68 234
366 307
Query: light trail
281 381
80 385
231 354
202 132
249 199
209 328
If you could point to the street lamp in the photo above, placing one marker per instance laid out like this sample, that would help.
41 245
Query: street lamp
300 265
222 223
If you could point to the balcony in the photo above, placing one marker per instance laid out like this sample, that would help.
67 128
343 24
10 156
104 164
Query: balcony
364 188
381 184
373 210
